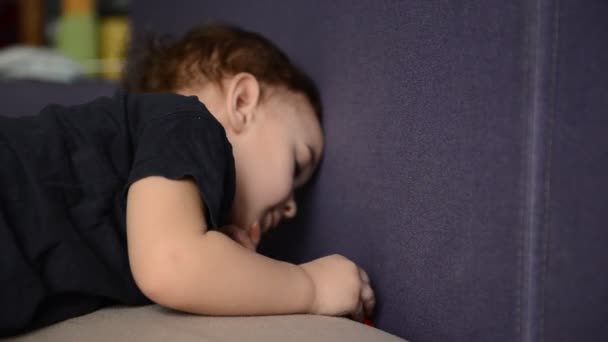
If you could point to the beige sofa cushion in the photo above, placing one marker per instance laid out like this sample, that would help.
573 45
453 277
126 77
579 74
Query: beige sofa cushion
154 323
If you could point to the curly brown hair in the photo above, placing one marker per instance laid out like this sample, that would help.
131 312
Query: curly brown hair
164 64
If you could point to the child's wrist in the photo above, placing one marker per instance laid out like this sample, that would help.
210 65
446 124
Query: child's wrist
312 307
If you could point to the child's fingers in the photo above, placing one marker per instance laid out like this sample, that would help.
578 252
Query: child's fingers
367 293
369 299
364 276
359 314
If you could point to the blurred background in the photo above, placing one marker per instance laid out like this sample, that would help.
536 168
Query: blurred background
63 40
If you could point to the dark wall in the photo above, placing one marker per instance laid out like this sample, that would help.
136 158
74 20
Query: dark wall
573 303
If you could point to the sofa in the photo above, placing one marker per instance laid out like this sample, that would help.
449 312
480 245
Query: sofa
466 168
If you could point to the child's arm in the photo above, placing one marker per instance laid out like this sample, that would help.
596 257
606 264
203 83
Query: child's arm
177 263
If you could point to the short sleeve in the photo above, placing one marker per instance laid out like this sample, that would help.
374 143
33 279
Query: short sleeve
189 142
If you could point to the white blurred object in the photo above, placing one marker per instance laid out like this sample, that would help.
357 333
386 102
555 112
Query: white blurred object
39 63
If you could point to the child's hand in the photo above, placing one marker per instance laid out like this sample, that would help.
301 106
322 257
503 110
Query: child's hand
341 288
246 238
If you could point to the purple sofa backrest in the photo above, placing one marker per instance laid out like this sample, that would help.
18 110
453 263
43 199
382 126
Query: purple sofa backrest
466 156
27 97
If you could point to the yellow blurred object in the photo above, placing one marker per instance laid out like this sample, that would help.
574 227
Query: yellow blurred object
114 36
69 7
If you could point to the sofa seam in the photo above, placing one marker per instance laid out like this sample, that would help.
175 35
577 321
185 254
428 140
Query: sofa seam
539 34
551 113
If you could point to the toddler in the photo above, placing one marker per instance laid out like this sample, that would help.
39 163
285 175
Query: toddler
161 193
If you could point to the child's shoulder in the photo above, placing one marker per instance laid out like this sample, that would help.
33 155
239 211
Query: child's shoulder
160 102
146 107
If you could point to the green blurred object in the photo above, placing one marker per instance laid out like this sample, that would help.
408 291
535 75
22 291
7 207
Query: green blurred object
77 33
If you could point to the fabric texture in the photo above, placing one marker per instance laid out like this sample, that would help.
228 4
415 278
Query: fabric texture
573 296
65 177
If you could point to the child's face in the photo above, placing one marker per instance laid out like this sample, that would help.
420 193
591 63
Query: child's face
278 154
269 138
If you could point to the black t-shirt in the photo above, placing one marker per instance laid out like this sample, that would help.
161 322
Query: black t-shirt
64 178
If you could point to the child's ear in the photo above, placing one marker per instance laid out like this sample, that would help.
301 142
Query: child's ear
243 97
